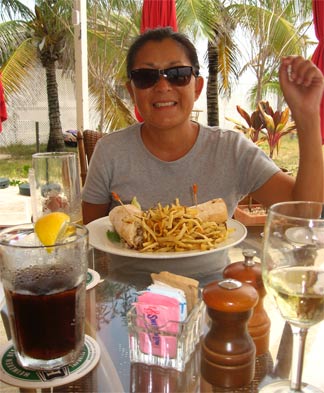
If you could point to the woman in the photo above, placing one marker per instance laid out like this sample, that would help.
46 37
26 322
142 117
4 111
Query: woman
161 158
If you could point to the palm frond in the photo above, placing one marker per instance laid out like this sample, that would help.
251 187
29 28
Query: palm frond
200 17
14 9
117 114
12 34
20 70
228 66
268 25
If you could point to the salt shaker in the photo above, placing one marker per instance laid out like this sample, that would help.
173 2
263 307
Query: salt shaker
249 271
228 351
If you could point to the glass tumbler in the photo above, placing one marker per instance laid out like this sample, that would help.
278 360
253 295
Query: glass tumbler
55 185
45 295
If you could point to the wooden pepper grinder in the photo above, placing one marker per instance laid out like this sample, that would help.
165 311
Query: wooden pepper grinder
228 351
249 271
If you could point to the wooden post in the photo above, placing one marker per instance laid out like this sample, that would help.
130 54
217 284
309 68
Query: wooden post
81 64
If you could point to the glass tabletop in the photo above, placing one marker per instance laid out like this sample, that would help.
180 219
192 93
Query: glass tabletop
107 305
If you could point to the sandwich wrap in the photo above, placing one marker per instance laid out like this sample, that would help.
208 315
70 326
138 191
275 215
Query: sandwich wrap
128 228
126 219
214 210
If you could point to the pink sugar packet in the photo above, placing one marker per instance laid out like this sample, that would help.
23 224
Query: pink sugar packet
158 317
175 293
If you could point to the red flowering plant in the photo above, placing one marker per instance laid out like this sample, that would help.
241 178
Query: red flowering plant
277 125
255 124
273 125
264 124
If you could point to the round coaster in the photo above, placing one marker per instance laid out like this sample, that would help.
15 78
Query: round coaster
93 278
13 374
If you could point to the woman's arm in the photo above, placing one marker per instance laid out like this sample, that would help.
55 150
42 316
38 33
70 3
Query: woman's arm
92 211
302 84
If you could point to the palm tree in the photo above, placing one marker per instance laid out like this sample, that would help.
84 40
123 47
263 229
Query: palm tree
274 29
210 19
40 39
45 39
222 64
111 27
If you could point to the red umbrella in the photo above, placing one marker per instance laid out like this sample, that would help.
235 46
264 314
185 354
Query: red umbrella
3 111
157 13
318 55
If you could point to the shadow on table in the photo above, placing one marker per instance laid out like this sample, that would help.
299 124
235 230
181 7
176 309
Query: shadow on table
137 271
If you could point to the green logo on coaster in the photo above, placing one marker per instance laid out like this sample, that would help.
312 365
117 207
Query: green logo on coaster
11 372
11 366
89 278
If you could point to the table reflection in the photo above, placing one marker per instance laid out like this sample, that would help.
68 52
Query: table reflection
107 305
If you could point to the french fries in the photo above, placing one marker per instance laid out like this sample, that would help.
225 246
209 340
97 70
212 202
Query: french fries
178 228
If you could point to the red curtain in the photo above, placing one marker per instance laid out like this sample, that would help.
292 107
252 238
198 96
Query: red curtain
318 55
3 111
157 13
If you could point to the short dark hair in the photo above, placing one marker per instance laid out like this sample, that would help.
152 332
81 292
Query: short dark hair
161 34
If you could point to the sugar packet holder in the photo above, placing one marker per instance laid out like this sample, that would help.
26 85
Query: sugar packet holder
166 344
169 292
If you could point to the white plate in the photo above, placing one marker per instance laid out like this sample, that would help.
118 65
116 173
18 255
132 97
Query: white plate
304 235
298 235
99 240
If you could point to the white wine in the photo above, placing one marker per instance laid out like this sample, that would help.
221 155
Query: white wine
299 293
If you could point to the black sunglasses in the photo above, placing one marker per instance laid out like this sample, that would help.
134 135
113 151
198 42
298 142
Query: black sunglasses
144 78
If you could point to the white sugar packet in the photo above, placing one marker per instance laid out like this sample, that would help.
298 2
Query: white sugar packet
176 293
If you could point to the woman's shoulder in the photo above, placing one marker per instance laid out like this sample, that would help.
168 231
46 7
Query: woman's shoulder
121 135
217 133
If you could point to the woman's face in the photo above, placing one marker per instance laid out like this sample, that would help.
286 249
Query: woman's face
164 105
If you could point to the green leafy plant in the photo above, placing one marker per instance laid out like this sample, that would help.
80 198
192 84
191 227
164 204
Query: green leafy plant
15 182
25 170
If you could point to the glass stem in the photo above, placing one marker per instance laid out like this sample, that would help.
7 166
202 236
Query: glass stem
299 340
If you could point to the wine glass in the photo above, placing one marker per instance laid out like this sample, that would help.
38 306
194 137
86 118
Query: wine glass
293 273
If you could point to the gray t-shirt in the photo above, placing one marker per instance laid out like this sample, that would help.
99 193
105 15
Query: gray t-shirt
223 164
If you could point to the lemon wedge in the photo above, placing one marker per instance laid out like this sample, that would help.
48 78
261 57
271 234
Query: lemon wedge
51 228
